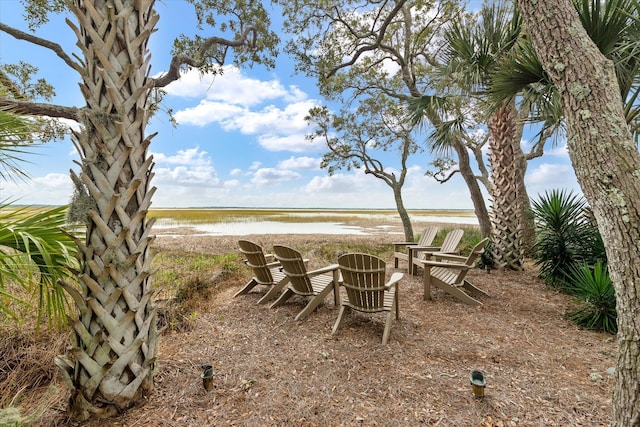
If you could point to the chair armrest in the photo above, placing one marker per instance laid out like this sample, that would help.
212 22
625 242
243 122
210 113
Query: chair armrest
454 265
426 248
273 264
449 257
327 269
394 279
399 245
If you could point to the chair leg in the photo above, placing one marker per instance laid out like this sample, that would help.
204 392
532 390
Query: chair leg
396 298
387 328
339 319
411 268
315 301
273 291
336 287
472 288
460 294
246 288
285 296
426 283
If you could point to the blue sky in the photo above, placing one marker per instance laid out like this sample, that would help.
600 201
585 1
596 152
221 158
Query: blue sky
240 141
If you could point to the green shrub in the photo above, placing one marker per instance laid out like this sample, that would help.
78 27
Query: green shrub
486 260
596 295
565 236
469 239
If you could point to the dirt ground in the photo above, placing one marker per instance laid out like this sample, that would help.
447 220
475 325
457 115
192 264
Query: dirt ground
540 369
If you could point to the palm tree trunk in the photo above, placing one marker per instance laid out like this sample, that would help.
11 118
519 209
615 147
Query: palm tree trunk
111 363
507 179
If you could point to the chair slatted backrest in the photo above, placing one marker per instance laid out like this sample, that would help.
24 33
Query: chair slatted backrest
451 241
460 274
428 236
293 266
363 277
257 261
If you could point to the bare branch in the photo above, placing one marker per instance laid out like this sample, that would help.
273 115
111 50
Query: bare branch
40 109
538 148
446 178
174 70
179 60
55 47
370 47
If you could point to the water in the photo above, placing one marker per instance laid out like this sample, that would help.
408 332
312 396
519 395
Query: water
262 227
243 228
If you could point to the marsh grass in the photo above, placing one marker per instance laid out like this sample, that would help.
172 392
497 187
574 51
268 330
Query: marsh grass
213 216
469 239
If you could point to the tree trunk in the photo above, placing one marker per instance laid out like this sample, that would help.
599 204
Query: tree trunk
607 165
507 180
402 211
480 207
111 362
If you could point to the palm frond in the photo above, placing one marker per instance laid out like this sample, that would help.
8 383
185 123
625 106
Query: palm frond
15 142
36 251
425 105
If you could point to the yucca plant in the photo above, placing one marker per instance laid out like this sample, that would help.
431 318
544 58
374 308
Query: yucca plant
596 295
564 236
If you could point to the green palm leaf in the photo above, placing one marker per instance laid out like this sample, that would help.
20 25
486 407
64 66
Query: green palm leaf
36 253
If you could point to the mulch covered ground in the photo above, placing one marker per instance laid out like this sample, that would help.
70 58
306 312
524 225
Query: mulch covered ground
540 369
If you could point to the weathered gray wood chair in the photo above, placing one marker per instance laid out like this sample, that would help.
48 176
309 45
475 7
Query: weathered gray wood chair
449 246
266 271
448 272
316 284
401 249
363 277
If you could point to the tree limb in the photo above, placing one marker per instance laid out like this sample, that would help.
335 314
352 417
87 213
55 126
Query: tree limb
177 61
55 47
40 109
332 71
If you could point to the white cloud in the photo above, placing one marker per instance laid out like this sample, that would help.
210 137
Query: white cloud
558 151
310 163
232 87
208 112
191 156
270 176
548 176
50 189
294 143
203 175
271 119
188 167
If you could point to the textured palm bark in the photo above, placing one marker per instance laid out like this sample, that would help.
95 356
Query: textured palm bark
111 363
607 165
506 178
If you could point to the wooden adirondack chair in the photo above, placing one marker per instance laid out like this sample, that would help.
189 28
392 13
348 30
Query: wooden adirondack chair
448 272
363 277
401 249
316 284
266 270
421 253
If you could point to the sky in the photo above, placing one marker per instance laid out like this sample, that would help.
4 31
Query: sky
240 138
